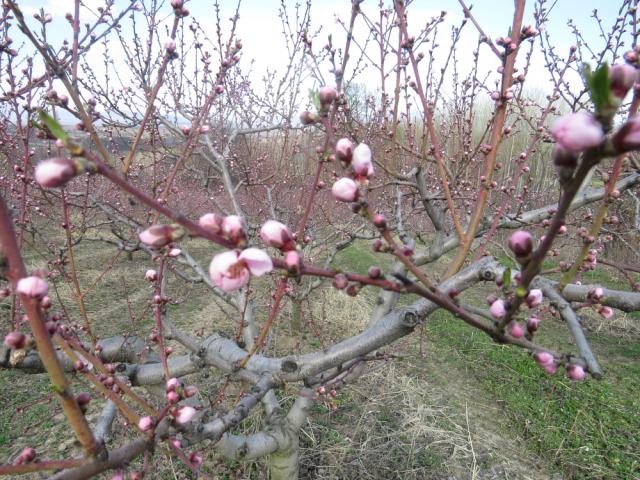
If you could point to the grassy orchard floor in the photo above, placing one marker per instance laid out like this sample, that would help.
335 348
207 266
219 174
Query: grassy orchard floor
457 406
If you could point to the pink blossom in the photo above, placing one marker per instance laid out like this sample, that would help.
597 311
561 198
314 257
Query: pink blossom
184 414
498 309
55 172
231 270
575 372
521 243
16 340
32 287
175 252
151 275
345 190
550 368
576 132
361 162
145 423
344 150
211 222
534 298
277 235
606 312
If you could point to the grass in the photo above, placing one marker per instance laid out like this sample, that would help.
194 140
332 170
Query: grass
588 429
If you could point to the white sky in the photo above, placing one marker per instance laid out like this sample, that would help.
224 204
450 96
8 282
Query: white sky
261 32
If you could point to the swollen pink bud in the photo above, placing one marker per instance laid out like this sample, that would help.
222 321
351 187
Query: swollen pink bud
176 4
172 384
233 228
32 287
292 261
521 243
516 330
622 78
151 275
55 172
344 150
145 424
597 293
628 136
340 281
605 312
498 309
576 132
327 95
277 235
534 298
211 222
196 459
345 190
533 323
575 372
83 398
170 45
157 236
174 252
184 414
173 397
361 163
190 391
15 340
543 358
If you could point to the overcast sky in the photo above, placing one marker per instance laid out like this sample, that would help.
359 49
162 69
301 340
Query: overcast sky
261 32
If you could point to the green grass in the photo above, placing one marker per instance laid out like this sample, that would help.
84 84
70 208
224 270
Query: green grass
588 429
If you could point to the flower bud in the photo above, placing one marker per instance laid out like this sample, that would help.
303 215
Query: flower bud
172 384
173 397
344 150
15 340
277 235
157 236
534 298
361 163
340 281
521 244
327 95
622 78
145 424
575 372
55 172
516 330
576 132
308 118
293 262
498 309
605 312
233 228
374 272
32 287
184 414
345 190
533 323
196 459
151 275
211 222
628 136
